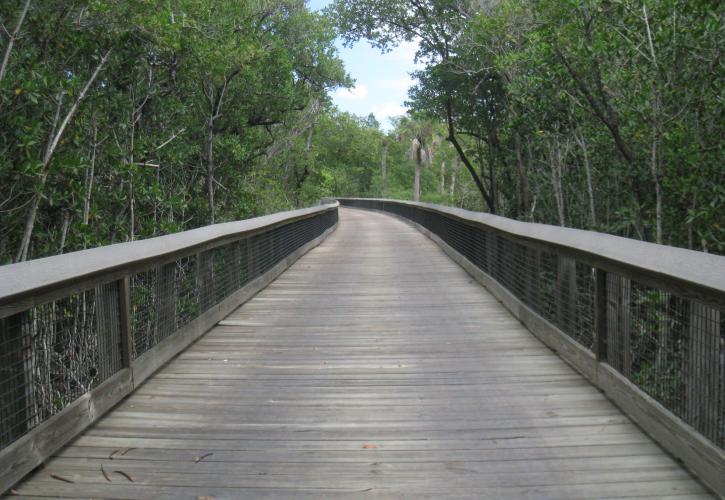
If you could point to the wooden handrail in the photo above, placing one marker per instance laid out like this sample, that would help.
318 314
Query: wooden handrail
699 275
35 281
620 311
224 265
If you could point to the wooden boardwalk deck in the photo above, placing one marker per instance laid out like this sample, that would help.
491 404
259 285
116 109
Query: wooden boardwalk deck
373 367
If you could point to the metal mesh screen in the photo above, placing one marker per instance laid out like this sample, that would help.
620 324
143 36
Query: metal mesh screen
671 347
53 353
166 298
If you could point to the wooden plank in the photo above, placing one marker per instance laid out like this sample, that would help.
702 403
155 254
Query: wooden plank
700 455
688 273
26 453
373 365
29 451
160 354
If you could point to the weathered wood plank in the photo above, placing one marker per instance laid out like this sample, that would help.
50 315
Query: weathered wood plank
373 365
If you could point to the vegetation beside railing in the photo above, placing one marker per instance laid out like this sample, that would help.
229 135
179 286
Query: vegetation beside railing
79 331
654 314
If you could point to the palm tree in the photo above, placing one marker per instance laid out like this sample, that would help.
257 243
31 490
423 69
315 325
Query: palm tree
418 132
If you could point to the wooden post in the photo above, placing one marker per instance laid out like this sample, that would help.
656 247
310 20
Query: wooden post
108 329
124 313
619 312
600 315
566 295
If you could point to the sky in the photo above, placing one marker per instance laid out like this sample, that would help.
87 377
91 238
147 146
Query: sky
381 80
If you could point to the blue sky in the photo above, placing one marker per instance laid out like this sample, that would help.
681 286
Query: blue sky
381 80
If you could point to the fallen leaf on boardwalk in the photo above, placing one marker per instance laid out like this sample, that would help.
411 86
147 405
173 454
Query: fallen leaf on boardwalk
14 492
205 498
369 446
127 476
105 474
61 478
199 459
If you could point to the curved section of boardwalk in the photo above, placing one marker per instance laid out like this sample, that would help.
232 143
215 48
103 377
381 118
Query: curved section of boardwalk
374 366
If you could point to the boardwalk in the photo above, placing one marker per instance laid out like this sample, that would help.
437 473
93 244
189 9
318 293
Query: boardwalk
373 367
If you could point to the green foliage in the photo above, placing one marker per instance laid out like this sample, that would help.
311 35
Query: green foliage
587 113
181 124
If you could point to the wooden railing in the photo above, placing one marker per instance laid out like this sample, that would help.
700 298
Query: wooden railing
643 322
78 332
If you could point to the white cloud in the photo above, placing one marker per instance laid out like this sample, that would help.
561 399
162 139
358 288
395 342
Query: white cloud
356 93
405 53
384 111
403 83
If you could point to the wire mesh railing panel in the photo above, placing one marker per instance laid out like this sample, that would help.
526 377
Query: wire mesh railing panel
670 346
52 354
163 299
54 351
168 297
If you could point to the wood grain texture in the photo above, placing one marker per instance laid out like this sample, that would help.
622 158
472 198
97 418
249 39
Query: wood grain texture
35 447
688 273
25 284
702 456
374 366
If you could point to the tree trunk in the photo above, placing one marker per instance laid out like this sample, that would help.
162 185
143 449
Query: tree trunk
523 176
656 112
90 173
555 162
384 167
658 187
210 168
64 230
300 179
454 174
416 181
53 141
579 137
492 173
11 40
131 210
442 185
487 199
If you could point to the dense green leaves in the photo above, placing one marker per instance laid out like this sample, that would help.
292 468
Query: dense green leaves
184 102
588 113
125 119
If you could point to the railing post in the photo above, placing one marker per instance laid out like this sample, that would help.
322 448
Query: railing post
108 328
566 294
600 315
124 312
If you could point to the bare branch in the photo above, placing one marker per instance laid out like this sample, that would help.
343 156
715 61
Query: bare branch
11 40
